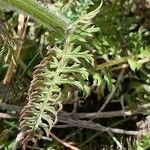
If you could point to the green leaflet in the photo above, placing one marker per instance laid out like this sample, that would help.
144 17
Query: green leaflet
49 18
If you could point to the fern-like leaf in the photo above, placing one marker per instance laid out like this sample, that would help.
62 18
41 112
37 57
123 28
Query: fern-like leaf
46 94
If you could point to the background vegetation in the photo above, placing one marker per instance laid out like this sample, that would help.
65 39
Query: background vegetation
92 57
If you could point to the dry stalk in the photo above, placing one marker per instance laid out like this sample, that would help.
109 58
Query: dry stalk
22 25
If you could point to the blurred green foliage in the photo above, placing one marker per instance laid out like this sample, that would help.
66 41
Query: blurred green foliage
123 38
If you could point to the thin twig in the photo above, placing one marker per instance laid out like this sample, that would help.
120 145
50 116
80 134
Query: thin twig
82 115
103 114
121 100
142 61
63 142
113 62
96 126
86 124
63 126
120 61
115 140
113 91
8 116
142 109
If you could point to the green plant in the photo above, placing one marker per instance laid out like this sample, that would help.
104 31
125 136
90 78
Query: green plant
143 143
45 94
80 53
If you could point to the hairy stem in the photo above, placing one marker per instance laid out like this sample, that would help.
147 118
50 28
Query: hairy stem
49 18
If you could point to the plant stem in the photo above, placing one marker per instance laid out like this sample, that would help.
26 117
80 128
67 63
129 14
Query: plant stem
121 60
47 17
21 33
113 62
